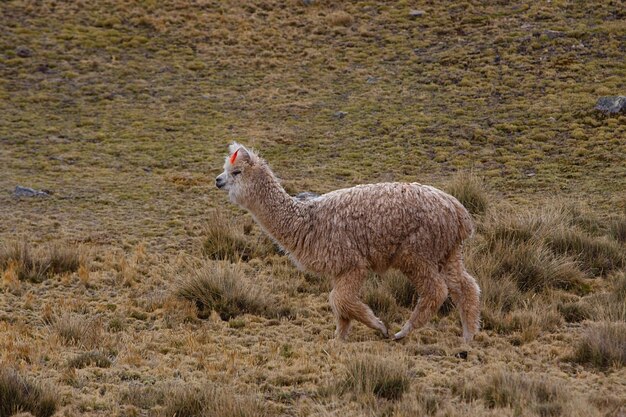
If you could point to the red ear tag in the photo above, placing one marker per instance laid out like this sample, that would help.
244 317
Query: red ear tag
233 157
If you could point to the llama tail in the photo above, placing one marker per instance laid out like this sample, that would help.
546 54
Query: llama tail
466 224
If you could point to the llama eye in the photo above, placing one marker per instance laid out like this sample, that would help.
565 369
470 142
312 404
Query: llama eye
235 173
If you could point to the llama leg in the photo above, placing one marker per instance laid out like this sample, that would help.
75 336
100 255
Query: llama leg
346 305
465 294
467 298
433 291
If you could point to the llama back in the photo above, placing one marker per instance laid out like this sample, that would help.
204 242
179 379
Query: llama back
379 221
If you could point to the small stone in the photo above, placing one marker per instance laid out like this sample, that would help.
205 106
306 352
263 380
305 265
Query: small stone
417 13
340 114
23 52
611 105
28 192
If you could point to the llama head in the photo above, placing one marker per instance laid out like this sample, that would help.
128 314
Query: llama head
240 167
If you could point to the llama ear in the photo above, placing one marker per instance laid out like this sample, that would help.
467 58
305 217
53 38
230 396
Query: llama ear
239 153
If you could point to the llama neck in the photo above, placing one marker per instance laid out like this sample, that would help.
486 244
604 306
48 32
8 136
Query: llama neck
276 211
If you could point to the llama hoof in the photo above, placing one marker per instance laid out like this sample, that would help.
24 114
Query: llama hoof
398 336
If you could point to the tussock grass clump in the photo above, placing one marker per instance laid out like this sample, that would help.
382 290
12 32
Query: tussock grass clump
611 305
21 394
37 264
470 190
381 301
340 18
92 358
617 229
224 239
75 329
519 391
534 268
372 375
603 345
597 255
212 402
515 245
575 312
400 288
224 288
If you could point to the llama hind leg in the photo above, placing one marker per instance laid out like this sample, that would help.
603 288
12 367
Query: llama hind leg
346 305
465 294
433 291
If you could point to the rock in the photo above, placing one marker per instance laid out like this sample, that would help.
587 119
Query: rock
340 114
306 195
461 355
611 105
23 52
416 13
28 192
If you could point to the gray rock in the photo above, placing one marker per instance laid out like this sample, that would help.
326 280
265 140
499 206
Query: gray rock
611 105
306 195
340 114
417 13
28 192
23 52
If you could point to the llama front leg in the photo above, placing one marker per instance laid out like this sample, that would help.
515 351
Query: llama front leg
346 305
433 291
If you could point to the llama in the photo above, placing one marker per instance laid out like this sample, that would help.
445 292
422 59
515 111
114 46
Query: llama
346 233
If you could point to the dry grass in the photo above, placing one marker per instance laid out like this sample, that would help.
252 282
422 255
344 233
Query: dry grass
470 190
77 329
18 393
212 402
225 239
521 392
340 18
37 264
603 345
224 288
595 255
91 358
372 375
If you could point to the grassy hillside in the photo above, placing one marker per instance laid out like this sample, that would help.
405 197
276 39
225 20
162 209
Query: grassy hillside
136 288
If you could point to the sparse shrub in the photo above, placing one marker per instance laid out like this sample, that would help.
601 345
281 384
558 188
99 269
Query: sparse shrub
223 288
93 358
35 265
597 255
76 329
372 375
602 345
212 402
224 239
470 191
21 394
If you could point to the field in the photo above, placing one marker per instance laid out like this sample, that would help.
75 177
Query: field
135 288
